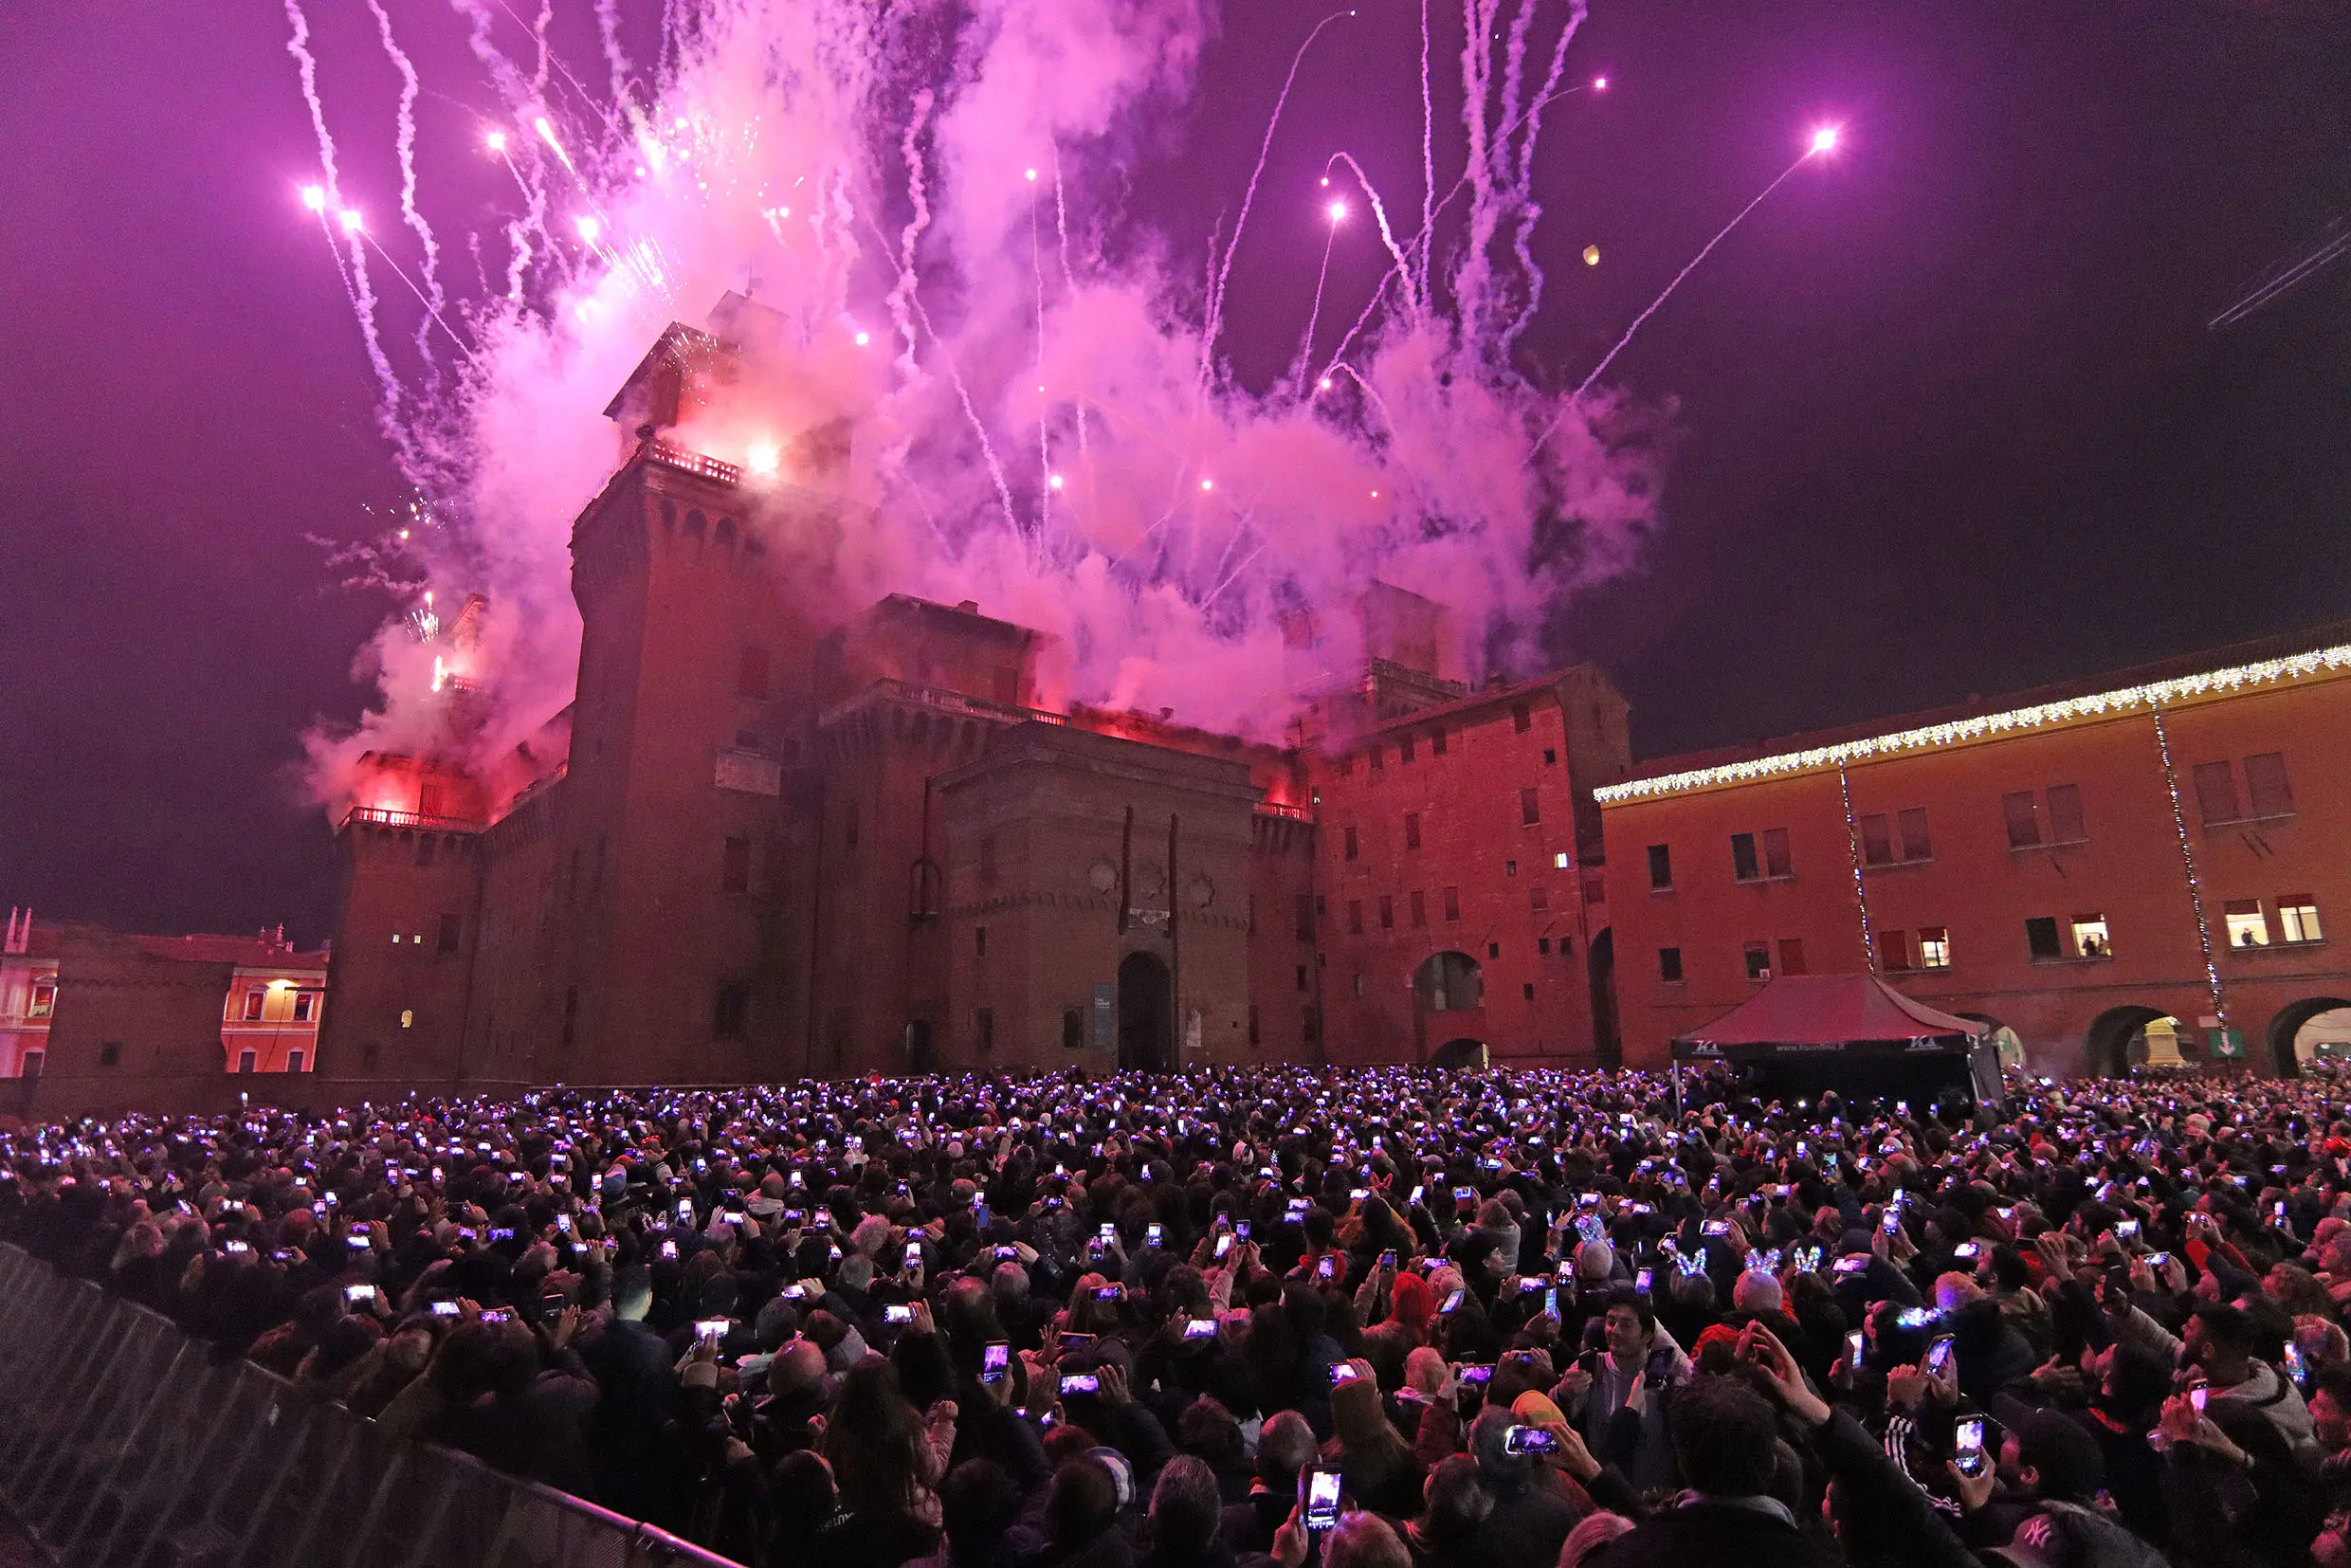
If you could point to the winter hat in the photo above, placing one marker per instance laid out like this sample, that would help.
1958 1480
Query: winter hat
1121 1473
1536 1410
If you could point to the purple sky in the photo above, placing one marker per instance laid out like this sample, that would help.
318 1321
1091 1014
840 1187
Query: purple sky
1948 416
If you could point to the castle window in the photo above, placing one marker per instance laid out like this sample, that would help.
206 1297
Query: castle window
730 1011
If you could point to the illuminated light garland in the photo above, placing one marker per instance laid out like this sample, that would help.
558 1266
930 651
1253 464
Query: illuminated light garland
2196 883
1960 731
1860 891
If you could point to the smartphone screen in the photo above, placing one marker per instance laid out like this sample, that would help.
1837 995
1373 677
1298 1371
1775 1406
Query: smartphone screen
995 1356
1938 1354
1530 1440
1080 1382
1322 1499
1854 1343
898 1314
1969 1445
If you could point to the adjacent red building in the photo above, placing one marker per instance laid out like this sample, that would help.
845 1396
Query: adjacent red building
2144 866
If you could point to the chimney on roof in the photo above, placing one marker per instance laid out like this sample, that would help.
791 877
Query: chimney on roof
20 934
968 606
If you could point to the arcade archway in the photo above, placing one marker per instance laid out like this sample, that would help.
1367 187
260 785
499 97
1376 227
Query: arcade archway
2315 1027
1460 1055
2121 1038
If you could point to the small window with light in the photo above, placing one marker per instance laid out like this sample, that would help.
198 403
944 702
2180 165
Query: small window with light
2091 938
2298 918
2245 927
43 1000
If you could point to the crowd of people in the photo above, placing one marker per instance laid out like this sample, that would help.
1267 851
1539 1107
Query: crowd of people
1382 1319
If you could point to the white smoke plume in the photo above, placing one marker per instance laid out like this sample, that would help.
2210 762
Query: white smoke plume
1039 417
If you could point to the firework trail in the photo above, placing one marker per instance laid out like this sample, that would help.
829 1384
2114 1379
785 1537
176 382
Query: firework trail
1380 212
1477 69
1821 143
1069 279
405 146
1530 211
527 235
902 292
1224 274
388 410
432 316
1337 214
1428 155
615 60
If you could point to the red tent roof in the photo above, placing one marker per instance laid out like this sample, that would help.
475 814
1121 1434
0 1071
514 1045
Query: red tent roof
1828 1010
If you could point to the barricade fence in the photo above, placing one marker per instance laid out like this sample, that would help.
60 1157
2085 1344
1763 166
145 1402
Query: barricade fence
126 1444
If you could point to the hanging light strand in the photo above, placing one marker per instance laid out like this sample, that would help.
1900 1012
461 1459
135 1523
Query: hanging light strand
1861 889
2196 885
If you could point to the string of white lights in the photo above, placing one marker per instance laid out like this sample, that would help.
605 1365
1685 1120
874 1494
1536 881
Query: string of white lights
1860 891
2196 885
1960 731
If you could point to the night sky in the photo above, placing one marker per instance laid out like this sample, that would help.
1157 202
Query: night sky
1946 415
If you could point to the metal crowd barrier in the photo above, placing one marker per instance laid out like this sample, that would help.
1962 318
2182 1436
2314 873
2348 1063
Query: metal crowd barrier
126 1444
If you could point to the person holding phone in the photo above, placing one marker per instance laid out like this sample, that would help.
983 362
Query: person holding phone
2217 1345
1616 1397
